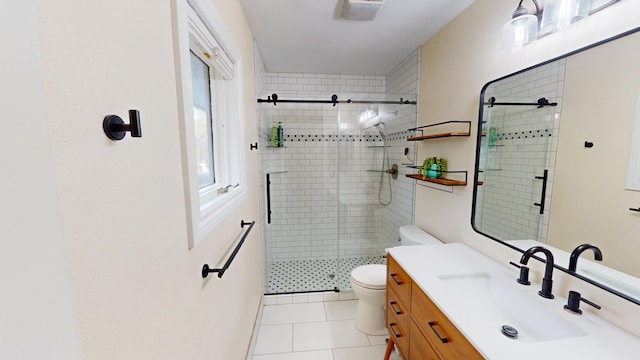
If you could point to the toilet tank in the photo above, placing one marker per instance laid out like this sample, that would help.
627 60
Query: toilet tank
413 235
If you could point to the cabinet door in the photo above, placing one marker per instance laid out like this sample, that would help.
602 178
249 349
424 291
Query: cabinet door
399 335
445 338
419 348
399 308
399 281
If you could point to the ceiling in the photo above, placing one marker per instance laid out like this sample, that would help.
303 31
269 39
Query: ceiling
309 36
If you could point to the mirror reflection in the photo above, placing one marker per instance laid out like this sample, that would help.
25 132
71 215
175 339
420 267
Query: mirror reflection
553 159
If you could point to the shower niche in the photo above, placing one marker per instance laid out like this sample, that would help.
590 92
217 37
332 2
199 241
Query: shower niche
330 202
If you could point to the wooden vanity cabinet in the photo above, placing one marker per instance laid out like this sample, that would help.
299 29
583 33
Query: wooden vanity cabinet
397 306
416 326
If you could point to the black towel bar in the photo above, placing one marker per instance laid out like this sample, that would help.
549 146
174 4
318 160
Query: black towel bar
206 270
632 209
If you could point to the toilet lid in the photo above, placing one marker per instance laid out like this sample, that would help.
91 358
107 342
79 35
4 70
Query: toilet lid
370 276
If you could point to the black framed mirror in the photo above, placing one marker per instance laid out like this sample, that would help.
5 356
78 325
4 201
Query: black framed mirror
552 159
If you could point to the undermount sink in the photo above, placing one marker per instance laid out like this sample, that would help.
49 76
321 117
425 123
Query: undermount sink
498 301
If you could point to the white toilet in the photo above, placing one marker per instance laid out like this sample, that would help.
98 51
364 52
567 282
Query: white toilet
369 284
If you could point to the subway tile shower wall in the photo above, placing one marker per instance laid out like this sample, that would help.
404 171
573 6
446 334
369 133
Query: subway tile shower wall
326 180
525 145
402 81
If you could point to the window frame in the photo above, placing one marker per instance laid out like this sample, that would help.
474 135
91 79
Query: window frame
199 28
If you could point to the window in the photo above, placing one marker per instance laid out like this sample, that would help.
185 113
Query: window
211 121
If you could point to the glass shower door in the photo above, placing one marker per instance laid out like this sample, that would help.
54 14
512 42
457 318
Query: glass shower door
373 202
299 180
516 160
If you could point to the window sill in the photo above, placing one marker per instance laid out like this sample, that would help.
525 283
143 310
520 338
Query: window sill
213 212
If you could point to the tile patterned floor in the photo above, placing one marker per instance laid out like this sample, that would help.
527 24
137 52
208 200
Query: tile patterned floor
313 275
322 330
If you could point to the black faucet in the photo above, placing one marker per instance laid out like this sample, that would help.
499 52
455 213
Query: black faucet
547 283
575 254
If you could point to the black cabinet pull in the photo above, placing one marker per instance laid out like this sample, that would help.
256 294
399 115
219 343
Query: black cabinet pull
393 307
431 325
392 327
632 209
398 282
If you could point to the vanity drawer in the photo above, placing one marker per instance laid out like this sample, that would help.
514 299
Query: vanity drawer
397 308
398 333
419 348
445 338
398 281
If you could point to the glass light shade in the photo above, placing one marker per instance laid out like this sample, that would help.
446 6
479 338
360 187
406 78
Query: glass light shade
560 14
519 32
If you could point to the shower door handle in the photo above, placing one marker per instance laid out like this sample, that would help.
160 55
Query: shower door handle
268 198
544 179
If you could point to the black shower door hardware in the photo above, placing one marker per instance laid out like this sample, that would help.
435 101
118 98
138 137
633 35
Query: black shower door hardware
544 178
632 209
269 192
268 198
115 128
540 103
334 100
253 146
206 270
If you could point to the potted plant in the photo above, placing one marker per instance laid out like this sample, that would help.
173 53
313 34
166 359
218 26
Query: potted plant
433 167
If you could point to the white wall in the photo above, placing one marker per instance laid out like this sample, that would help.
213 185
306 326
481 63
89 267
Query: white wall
38 310
138 289
455 64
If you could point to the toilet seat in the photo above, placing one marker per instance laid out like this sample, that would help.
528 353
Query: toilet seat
371 276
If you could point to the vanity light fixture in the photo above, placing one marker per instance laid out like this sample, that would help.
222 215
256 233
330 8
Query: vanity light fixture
560 14
521 30
524 28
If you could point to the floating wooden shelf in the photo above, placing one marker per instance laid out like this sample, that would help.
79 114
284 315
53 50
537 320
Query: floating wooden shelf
435 136
457 123
447 182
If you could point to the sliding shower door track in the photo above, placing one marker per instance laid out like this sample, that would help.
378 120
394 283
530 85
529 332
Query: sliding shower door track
335 289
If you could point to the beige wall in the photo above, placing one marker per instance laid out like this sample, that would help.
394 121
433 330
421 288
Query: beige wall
590 203
456 63
138 289
38 309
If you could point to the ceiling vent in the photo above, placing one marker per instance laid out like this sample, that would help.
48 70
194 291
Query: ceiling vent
362 10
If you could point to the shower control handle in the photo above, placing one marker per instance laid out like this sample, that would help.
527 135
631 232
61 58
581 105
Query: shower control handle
393 171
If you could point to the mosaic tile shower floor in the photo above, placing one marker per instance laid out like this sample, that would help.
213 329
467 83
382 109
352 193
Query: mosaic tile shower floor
313 275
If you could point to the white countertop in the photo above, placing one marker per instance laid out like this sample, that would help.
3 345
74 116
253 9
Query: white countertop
435 268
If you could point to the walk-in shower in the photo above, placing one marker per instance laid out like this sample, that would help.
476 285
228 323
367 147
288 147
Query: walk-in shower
327 187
